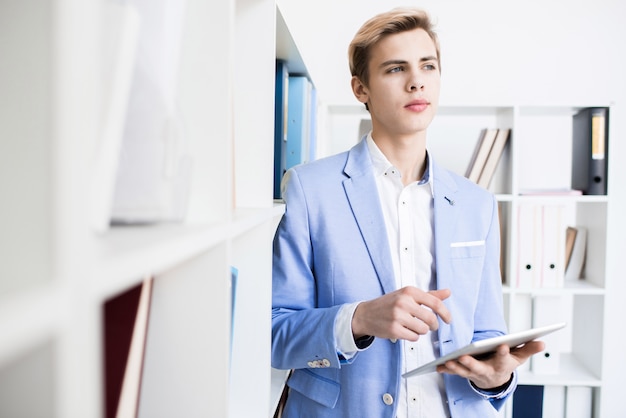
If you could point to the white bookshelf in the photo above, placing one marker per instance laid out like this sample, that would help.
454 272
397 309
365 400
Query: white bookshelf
538 156
57 270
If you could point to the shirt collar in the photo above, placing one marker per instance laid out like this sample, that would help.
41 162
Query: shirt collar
383 167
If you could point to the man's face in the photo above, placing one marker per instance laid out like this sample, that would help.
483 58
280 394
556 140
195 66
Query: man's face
403 90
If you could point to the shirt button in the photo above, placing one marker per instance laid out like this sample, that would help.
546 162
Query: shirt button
394 340
387 399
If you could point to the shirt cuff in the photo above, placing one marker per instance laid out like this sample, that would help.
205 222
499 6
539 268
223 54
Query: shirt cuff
346 346
501 392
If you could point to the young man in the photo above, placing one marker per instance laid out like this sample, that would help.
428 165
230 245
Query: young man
384 260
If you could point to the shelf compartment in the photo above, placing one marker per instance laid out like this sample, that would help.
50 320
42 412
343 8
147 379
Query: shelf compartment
464 125
27 385
572 373
126 254
545 159
187 347
29 317
578 287
251 254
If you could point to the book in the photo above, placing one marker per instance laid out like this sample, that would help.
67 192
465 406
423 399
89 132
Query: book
528 402
570 238
495 153
234 276
281 96
503 241
481 152
312 154
575 266
534 401
126 319
299 119
589 150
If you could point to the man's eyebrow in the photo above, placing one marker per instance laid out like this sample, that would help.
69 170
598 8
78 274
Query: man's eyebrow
393 62
402 62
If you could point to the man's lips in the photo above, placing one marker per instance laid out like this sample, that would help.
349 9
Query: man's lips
417 105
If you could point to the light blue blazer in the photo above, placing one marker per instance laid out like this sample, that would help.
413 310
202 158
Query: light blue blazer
331 248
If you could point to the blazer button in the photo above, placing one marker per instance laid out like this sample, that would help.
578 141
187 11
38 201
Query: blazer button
387 399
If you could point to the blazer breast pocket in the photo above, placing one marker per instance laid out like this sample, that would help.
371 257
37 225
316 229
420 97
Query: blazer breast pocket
467 249
467 259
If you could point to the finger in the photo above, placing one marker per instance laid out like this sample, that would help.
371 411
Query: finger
426 316
425 306
417 321
455 367
503 350
434 301
469 362
424 321
530 348
442 294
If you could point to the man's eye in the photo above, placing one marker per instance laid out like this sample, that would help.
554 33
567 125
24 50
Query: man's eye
395 69
430 67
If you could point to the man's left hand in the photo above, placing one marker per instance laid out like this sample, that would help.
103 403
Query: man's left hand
495 371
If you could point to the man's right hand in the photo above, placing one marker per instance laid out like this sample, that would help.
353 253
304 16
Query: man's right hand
404 314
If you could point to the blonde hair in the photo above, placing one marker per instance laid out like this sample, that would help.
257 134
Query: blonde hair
394 21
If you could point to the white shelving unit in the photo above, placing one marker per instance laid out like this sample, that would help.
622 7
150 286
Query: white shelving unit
538 156
57 271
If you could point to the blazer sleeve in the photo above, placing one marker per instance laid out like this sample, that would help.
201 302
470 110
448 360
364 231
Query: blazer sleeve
302 334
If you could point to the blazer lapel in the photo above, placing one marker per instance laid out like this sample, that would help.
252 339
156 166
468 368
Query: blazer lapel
446 213
361 191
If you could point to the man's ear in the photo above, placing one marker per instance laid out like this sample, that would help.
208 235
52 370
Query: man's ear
359 90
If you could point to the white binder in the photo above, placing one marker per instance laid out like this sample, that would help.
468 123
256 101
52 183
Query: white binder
552 255
553 401
528 246
540 246
548 309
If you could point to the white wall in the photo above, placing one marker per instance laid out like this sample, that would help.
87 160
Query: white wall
494 52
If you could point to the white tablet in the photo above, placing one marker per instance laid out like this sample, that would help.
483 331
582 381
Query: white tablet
487 345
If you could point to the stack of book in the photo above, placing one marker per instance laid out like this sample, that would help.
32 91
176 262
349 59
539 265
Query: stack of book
486 156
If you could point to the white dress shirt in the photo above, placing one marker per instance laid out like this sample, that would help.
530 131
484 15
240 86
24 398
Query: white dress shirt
408 215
